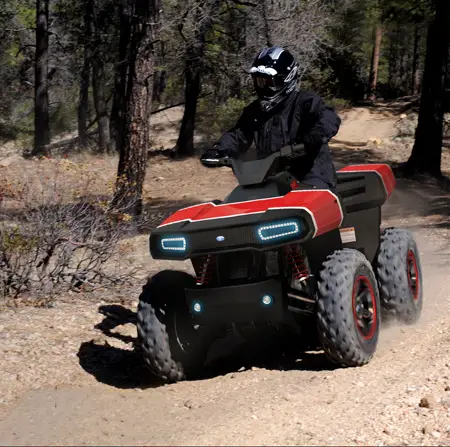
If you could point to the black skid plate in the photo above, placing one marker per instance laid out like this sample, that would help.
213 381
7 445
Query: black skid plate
239 303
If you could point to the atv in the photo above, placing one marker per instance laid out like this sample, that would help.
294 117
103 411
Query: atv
276 252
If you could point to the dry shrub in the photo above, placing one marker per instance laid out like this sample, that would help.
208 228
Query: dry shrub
55 236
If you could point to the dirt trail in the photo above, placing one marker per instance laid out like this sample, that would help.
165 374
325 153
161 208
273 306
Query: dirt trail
361 125
69 376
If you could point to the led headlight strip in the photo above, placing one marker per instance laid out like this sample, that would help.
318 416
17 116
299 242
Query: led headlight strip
279 230
174 243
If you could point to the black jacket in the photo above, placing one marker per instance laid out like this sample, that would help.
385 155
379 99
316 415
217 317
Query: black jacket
302 118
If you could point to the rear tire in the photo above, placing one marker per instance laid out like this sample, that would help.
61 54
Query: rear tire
348 308
400 276
173 348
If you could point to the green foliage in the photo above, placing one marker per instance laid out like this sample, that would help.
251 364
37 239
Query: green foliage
62 118
14 241
26 15
406 11
339 104
339 61
174 89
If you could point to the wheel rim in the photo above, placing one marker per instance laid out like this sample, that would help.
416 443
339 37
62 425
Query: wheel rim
364 307
413 275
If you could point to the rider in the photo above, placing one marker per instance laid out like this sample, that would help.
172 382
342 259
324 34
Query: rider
283 116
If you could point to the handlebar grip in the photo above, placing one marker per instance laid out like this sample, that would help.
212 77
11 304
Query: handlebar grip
214 159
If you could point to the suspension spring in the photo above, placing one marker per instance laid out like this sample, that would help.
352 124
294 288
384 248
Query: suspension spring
298 263
204 270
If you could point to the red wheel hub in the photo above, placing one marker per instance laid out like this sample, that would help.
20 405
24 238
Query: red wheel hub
364 307
413 275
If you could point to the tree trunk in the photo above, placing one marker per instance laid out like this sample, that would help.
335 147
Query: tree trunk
266 23
373 79
392 65
120 83
136 136
160 78
83 105
98 84
237 25
100 105
403 67
185 143
42 114
426 153
416 59
159 85
194 66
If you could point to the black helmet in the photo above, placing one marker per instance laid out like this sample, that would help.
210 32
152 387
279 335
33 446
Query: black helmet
274 73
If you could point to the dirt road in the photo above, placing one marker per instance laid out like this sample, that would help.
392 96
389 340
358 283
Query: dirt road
68 375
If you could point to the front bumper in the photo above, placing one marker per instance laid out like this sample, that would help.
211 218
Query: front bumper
237 304
227 235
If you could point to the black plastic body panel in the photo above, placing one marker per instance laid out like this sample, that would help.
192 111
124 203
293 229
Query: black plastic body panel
275 186
238 304
254 172
319 248
362 194
367 228
360 190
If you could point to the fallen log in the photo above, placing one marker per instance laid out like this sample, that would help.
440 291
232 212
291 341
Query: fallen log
68 142
349 143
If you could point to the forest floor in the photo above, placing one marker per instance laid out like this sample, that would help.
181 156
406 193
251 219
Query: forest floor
69 375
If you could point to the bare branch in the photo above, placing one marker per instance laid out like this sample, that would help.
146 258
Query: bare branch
244 3
23 47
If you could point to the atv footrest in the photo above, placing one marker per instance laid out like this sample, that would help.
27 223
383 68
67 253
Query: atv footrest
262 301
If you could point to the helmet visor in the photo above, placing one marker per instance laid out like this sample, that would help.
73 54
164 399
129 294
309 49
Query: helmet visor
263 82
273 83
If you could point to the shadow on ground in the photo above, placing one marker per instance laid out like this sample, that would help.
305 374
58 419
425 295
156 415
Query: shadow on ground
125 369
112 365
262 355
395 106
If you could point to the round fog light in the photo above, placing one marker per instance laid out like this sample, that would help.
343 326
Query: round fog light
197 307
267 300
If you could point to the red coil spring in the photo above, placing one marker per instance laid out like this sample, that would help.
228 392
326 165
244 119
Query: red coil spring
297 261
204 269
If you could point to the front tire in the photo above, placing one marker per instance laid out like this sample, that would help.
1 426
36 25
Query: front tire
348 308
400 276
173 348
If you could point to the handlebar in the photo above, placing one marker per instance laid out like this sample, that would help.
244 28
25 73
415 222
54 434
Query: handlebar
215 160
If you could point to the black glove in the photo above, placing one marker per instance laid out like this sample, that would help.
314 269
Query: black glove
215 152
212 157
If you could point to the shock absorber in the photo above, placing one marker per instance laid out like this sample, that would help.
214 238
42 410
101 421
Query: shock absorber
204 269
298 262
301 298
